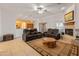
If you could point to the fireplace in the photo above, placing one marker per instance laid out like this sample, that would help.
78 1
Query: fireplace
69 31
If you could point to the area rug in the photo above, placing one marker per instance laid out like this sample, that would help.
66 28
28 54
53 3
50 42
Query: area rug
62 49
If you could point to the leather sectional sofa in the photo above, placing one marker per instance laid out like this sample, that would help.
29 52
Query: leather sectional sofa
30 34
52 33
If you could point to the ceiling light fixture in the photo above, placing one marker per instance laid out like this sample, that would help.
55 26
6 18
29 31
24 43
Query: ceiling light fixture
40 12
41 6
40 9
35 8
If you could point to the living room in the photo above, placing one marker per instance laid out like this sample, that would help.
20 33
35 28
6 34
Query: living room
41 16
10 13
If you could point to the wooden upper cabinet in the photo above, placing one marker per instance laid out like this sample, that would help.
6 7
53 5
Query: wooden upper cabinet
24 24
30 25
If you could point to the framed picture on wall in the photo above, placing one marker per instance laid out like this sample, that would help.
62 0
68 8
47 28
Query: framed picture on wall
69 16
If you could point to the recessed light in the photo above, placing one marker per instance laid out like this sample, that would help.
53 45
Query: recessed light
35 8
63 8
25 17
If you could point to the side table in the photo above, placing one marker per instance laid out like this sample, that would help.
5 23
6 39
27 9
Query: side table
7 37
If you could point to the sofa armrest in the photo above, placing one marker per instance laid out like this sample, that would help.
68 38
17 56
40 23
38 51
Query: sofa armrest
45 32
38 32
58 36
24 36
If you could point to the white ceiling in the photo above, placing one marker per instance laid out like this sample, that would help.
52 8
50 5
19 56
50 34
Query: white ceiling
53 8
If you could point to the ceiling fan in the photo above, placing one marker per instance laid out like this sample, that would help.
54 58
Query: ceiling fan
40 9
